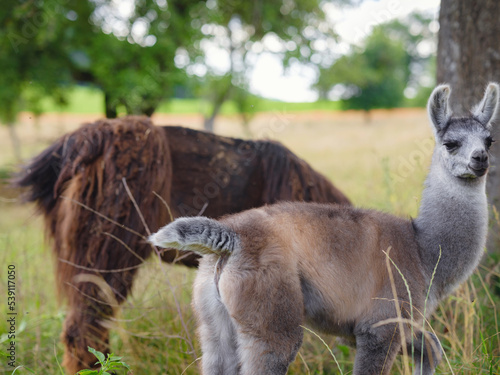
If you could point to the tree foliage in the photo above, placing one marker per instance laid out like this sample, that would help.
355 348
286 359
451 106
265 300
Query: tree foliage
376 74
51 45
138 55
135 63
33 63
242 30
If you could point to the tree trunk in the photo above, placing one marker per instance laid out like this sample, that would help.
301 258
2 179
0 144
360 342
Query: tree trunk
209 122
468 58
111 111
149 110
367 116
16 144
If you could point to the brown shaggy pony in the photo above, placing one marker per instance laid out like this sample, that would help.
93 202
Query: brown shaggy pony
99 190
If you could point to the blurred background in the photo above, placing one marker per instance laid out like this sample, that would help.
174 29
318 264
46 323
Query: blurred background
213 57
342 83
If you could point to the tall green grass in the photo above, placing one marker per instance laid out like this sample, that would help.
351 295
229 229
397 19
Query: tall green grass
363 160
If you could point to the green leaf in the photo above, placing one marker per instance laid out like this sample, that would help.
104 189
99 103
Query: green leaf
125 365
88 372
98 354
113 357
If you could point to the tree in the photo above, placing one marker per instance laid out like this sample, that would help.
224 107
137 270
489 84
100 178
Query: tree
134 62
51 45
33 64
468 58
241 30
375 74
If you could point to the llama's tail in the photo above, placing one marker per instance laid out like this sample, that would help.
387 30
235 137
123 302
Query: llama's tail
198 234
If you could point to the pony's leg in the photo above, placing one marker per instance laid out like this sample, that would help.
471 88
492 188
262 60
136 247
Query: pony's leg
82 329
426 360
85 324
376 349
215 327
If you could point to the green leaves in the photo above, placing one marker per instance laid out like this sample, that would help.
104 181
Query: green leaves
376 74
108 364
99 355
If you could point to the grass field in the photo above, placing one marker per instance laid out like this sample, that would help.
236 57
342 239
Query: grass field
378 165
84 100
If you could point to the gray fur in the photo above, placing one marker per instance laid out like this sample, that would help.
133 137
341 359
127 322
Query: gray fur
214 324
453 214
297 262
438 107
199 234
485 111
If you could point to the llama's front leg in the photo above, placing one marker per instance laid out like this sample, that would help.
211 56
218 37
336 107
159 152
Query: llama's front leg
426 360
376 350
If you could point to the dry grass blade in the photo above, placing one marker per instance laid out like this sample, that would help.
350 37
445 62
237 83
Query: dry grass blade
124 245
324 343
178 306
98 270
398 312
425 307
192 363
304 362
165 204
105 217
132 199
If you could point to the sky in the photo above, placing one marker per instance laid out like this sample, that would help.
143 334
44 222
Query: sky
268 78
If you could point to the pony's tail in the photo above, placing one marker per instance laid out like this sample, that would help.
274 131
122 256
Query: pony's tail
96 188
40 176
85 183
198 234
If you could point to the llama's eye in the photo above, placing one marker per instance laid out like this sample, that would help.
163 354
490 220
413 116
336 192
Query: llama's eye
451 146
489 141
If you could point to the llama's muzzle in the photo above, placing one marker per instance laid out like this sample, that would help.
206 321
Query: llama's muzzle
479 162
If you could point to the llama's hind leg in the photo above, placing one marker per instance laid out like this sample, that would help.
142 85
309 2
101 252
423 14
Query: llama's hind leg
215 329
426 360
267 310
269 355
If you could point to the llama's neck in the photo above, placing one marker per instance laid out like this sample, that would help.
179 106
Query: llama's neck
454 218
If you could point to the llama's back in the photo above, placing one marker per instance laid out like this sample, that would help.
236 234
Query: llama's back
333 246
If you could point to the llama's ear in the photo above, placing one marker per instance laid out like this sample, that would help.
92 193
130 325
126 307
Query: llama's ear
438 107
486 110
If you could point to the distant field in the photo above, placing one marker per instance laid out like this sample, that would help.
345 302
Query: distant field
84 100
381 165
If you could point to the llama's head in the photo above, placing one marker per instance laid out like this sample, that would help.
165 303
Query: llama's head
463 143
